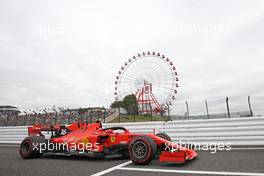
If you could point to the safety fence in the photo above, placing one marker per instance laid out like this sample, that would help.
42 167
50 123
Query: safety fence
210 108
215 107
234 131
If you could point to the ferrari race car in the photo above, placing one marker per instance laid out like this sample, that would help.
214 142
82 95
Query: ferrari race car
94 141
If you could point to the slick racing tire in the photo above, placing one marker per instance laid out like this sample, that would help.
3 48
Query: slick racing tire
30 147
142 150
162 147
164 136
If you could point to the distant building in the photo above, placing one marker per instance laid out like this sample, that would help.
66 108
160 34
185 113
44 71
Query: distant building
7 110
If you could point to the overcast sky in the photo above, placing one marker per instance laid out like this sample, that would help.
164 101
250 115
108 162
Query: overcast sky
67 53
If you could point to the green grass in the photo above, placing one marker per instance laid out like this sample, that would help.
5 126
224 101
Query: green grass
131 118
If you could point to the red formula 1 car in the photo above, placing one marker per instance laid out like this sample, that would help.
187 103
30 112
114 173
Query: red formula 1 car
94 141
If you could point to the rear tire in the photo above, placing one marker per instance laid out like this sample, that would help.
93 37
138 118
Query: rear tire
30 147
142 150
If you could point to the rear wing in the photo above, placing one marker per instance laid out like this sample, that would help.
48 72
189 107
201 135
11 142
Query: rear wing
37 129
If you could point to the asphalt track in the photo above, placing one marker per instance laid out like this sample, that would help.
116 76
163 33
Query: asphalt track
235 162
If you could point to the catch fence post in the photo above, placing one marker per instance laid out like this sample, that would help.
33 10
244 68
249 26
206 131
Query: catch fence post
187 108
118 114
250 109
207 111
227 107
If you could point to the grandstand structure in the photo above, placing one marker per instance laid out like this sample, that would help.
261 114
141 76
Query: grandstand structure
11 116
8 114
86 114
9 110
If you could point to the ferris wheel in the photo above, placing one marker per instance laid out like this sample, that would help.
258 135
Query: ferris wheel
150 76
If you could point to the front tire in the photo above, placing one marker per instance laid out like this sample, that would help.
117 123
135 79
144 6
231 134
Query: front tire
164 136
162 147
142 150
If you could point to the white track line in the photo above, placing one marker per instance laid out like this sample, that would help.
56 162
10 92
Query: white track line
251 148
112 169
8 145
192 172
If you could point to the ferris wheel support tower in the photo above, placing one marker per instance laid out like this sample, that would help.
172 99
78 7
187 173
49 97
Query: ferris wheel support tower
147 102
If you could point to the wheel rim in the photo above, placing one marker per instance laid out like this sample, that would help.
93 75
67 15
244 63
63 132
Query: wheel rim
139 149
25 147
